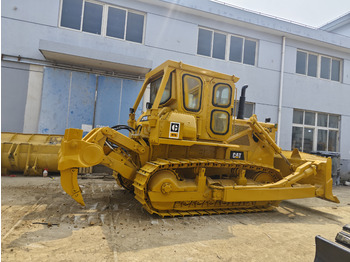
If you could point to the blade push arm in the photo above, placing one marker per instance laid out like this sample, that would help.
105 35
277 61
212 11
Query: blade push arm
261 133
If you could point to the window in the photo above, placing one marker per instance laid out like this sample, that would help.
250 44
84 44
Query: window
211 43
92 18
214 44
242 48
222 95
248 109
315 131
219 122
317 65
335 70
219 46
325 67
116 22
192 92
236 49
249 52
155 87
74 10
312 65
301 62
204 42
134 27
102 19
71 13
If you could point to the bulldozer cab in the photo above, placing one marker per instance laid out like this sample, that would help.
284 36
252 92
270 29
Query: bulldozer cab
188 102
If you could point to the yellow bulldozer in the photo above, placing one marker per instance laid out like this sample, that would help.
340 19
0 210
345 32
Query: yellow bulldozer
189 154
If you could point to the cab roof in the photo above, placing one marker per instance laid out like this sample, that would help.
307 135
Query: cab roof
190 68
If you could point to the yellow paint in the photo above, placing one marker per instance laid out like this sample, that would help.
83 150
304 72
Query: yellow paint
29 153
189 155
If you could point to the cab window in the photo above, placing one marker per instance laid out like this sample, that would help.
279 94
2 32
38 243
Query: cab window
192 92
155 87
222 94
219 122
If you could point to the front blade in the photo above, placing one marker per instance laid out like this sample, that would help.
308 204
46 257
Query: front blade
69 183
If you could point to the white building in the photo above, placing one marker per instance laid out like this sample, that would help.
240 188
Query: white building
80 63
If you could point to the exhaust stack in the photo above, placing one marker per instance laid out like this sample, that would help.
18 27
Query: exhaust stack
240 114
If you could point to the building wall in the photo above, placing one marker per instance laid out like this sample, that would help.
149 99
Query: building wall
345 148
33 101
14 82
171 32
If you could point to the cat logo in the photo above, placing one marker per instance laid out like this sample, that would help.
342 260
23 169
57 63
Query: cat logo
237 155
174 130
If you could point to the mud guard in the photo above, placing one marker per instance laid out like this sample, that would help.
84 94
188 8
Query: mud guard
69 183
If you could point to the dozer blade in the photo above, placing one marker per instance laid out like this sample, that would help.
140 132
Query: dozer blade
325 192
69 183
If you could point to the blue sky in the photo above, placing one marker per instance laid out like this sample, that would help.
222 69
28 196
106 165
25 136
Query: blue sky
313 13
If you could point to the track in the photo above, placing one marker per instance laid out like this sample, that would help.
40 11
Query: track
198 208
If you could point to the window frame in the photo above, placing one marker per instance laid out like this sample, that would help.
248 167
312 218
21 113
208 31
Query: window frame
246 103
228 45
60 17
330 67
83 15
170 81
104 20
126 25
319 65
212 45
183 93
243 49
212 119
214 93
212 31
316 128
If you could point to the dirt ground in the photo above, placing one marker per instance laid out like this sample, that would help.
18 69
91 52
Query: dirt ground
39 222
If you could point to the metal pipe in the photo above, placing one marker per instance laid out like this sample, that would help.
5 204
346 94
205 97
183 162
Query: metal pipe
240 114
281 90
